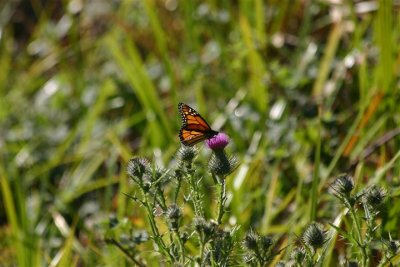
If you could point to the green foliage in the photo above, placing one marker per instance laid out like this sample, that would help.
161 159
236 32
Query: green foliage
305 90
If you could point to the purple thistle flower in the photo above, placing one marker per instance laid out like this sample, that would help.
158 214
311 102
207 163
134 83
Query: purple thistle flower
218 142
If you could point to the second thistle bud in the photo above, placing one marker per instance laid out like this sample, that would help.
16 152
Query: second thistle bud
393 247
221 165
137 167
375 196
206 230
251 240
266 242
173 214
139 237
298 255
315 236
343 184
187 154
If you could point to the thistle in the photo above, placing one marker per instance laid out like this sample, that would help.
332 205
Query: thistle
343 185
137 168
315 236
220 164
186 154
375 196
173 215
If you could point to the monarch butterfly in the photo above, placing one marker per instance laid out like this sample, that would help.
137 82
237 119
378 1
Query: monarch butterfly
194 128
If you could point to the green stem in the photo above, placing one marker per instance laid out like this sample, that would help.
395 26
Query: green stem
202 245
222 200
359 239
177 189
154 228
161 199
370 215
196 197
314 261
181 246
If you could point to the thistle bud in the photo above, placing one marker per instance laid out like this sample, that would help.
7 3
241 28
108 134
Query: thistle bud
266 242
140 236
206 230
199 224
184 237
137 167
221 165
251 239
173 214
393 247
343 184
210 229
187 154
146 186
178 174
375 196
298 254
113 222
315 236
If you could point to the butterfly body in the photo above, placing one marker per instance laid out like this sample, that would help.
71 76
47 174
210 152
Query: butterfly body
194 128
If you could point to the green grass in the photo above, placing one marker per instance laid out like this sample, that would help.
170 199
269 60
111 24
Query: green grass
301 91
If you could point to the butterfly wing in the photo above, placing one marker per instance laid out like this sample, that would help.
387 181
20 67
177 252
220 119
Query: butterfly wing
194 128
190 138
192 119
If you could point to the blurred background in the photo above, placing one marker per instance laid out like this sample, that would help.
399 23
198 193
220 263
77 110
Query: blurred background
303 88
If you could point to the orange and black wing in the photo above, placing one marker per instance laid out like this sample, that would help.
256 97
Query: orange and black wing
190 138
194 128
192 119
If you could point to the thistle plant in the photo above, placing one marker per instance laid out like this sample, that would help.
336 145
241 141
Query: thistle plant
363 208
391 249
166 195
259 249
311 248
313 239
220 166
